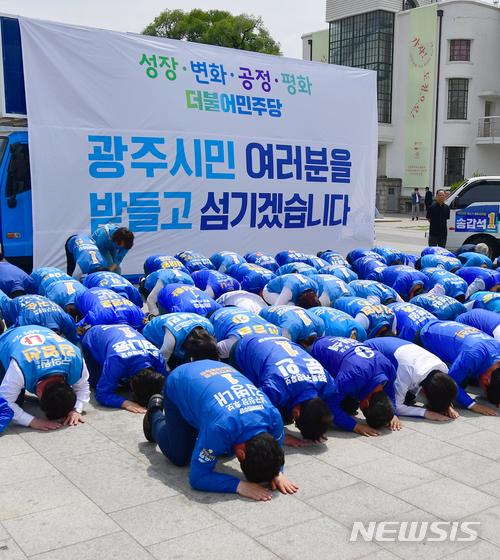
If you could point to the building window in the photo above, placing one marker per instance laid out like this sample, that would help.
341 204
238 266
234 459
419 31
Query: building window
454 165
460 50
366 41
458 92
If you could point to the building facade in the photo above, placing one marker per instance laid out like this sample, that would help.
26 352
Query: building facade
438 74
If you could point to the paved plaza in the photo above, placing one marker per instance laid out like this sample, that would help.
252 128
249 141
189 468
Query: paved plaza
99 491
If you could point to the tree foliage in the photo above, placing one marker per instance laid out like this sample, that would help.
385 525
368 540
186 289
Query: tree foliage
215 27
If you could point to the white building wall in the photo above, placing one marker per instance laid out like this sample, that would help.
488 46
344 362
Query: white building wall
338 9
463 19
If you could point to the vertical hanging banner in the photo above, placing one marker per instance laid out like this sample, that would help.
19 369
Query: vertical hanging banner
421 91
194 146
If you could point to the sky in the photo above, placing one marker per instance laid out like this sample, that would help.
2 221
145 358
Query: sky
286 20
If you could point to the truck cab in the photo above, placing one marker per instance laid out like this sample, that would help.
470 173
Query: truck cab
475 214
16 222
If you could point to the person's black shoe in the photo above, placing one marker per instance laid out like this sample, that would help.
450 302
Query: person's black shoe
155 403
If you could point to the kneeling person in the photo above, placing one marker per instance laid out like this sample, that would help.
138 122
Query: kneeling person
117 355
37 360
364 378
210 409
294 382
418 371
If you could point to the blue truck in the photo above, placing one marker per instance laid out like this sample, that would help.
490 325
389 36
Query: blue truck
16 221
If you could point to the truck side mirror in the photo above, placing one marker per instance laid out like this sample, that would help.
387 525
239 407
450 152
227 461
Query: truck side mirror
12 201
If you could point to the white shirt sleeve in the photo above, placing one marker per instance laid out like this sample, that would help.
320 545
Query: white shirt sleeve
224 347
324 299
77 273
168 346
82 390
477 285
363 320
10 389
285 296
152 299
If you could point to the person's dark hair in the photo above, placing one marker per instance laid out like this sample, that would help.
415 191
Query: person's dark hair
440 191
440 391
307 342
315 418
380 411
17 293
200 345
493 389
418 264
72 310
426 188
57 400
460 298
146 383
125 236
308 299
390 300
384 331
263 458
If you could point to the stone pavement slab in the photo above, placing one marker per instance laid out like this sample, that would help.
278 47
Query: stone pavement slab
99 491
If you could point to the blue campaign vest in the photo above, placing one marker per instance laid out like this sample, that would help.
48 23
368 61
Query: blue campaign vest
296 283
437 251
285 371
124 349
356 368
224 259
297 268
86 253
317 262
175 298
41 311
365 288
391 256
486 300
448 263
339 323
344 273
63 292
13 279
369 268
194 261
403 279
410 319
444 308
39 353
213 397
45 275
233 321
218 281
262 259
167 276
158 262
332 286
482 319
490 277
104 307
287 257
453 285
300 323
379 316
475 259
115 282
179 325
251 277
356 254
334 259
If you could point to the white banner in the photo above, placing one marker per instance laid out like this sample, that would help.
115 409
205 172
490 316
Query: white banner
193 146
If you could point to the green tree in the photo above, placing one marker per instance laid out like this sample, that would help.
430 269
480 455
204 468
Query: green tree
215 27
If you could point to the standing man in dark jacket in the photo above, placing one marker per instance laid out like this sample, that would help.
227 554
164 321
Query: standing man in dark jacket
438 214
415 204
428 199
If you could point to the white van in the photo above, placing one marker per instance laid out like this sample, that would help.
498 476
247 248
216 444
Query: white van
474 214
